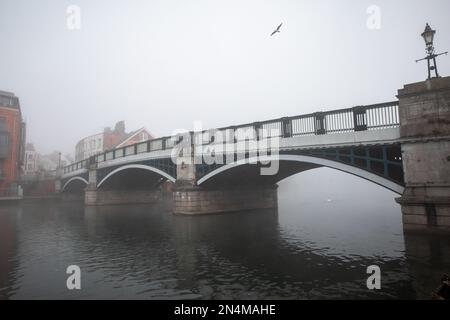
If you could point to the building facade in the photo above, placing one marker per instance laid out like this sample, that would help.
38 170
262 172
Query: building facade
41 166
99 142
12 143
89 146
109 139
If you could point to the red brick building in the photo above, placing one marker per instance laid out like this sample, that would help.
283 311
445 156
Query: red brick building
12 143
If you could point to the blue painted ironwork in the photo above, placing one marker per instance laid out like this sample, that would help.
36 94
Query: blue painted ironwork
382 160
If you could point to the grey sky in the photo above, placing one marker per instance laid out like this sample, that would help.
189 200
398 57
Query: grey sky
164 64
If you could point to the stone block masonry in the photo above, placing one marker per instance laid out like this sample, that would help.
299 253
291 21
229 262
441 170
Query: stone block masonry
195 200
424 110
114 197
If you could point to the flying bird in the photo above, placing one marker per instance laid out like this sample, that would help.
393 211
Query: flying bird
277 29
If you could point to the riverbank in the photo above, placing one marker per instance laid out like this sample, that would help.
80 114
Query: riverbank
16 199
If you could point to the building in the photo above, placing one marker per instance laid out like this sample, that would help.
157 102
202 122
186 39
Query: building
40 172
50 162
12 143
99 142
134 137
31 161
109 139
36 164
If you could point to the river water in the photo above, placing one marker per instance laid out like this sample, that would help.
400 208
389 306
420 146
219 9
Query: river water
328 229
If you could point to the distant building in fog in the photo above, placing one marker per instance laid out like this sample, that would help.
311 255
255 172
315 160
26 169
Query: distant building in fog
51 161
36 164
12 142
109 139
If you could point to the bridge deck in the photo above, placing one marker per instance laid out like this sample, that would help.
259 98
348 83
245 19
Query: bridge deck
361 125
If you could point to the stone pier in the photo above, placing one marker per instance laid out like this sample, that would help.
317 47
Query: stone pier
190 199
424 110
196 200
97 197
90 192
113 197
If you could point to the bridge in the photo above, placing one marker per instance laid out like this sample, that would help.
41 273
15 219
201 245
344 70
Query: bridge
400 145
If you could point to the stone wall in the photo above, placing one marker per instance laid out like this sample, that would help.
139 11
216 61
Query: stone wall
36 188
200 201
424 110
113 197
69 197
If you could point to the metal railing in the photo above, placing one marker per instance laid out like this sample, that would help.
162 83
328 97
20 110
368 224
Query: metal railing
157 144
359 118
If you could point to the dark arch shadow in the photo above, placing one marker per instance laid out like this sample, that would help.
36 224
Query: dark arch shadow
132 178
243 172
74 185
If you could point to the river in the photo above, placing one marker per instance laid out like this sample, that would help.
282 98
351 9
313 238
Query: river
329 227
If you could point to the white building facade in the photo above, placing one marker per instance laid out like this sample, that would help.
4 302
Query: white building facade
89 146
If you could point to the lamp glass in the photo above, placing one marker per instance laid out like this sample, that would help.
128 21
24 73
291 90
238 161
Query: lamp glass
428 35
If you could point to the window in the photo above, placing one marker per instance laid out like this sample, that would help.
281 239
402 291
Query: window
4 144
3 126
5 101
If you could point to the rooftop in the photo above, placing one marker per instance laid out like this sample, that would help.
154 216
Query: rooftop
9 100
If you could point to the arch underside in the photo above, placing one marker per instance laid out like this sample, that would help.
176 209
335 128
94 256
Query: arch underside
244 173
74 185
132 177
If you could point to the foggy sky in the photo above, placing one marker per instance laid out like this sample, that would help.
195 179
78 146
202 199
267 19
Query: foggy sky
163 64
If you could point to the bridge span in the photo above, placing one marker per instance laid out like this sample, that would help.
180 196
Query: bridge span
400 145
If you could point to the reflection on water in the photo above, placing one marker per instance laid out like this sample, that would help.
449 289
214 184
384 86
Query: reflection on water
317 245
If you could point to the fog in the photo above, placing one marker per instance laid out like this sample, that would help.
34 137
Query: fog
164 64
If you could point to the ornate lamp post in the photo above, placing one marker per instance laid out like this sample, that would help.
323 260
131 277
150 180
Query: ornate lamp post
428 36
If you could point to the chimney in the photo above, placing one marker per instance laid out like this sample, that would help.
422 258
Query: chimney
120 128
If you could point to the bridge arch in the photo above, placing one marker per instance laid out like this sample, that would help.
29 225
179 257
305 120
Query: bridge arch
136 166
72 180
316 162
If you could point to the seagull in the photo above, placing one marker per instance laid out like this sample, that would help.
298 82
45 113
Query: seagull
277 29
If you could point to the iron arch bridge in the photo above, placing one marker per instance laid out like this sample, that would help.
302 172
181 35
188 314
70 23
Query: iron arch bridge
363 141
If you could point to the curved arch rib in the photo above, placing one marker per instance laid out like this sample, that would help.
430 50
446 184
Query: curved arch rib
72 179
386 183
136 166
